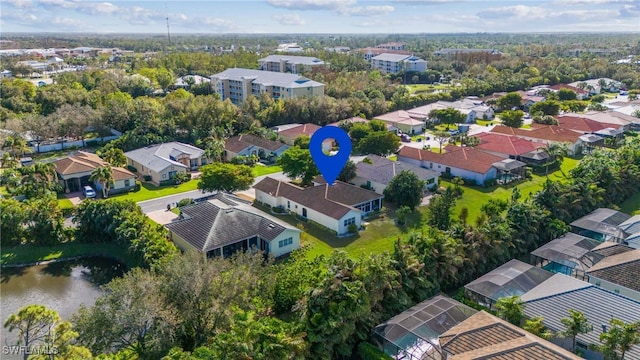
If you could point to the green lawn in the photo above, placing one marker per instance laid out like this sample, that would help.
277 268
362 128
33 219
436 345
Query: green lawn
475 196
29 253
631 205
64 203
379 235
486 122
148 191
421 88
259 170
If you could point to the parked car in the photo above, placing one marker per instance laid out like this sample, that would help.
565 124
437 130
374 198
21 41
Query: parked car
405 138
454 132
88 192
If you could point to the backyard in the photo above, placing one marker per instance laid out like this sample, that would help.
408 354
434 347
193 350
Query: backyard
148 191
30 254
631 205
426 88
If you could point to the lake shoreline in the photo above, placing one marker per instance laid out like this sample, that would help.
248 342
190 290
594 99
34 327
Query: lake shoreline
62 259
29 255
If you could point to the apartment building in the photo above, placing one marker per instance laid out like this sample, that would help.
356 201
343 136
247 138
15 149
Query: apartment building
289 63
238 84
392 46
394 63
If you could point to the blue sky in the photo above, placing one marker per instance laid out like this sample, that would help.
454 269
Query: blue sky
320 16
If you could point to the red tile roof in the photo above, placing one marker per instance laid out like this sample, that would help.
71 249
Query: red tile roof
303 129
544 132
466 158
508 145
577 90
582 124
84 162
238 143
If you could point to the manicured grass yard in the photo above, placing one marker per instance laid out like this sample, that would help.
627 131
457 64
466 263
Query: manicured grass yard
29 254
487 122
474 197
259 170
421 88
64 203
148 191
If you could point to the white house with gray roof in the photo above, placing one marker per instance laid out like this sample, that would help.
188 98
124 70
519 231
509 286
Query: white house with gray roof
163 161
377 174
289 63
238 84
395 63
227 224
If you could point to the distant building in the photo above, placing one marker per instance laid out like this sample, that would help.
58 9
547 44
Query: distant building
238 84
370 52
392 46
395 63
289 63
290 48
455 51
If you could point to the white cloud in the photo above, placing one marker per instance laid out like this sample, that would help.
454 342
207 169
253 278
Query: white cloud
515 12
97 8
20 18
51 4
588 2
367 10
311 4
68 23
427 2
19 3
289 19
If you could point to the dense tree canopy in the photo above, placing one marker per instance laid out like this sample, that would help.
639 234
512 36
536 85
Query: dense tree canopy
225 177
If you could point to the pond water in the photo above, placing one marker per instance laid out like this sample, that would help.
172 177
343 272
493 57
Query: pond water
62 286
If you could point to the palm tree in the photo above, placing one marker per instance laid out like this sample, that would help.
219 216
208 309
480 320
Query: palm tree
104 176
575 324
556 152
619 338
510 309
16 145
9 161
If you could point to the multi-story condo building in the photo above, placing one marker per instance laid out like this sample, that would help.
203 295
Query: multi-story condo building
394 63
238 84
392 46
289 63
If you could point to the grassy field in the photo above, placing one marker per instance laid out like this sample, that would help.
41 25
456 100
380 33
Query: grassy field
486 122
379 236
474 197
421 88
29 254
631 205
64 203
148 191
259 170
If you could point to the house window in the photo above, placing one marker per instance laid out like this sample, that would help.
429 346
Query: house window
164 176
431 181
350 221
127 183
288 204
285 242
368 183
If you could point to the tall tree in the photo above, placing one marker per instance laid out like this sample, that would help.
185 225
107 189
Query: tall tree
439 209
405 189
348 172
113 156
575 325
103 175
512 118
619 338
225 177
510 309
448 116
441 137
381 143
298 163
33 323
509 101
536 327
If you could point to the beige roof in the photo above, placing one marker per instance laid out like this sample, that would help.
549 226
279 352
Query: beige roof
84 162
615 260
484 336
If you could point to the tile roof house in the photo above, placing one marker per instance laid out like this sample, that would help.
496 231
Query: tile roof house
333 206
381 171
227 224
413 334
163 161
290 134
581 94
627 122
582 124
553 301
408 123
618 273
602 224
464 162
484 336
513 278
248 144
512 147
74 172
548 134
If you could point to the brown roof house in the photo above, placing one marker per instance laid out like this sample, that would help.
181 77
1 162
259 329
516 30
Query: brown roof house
548 134
484 336
465 162
618 273
335 206
74 172
163 161
247 145
226 224
289 133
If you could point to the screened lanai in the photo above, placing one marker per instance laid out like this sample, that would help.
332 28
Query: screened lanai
569 254
413 334
513 278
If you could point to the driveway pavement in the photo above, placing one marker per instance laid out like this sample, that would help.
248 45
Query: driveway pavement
162 217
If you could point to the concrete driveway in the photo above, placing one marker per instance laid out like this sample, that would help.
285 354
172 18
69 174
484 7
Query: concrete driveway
162 217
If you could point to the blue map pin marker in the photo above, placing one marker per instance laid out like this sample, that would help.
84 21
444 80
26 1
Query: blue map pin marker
330 166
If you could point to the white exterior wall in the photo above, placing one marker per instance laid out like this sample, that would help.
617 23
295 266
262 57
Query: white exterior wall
357 214
419 66
288 233
440 168
119 184
613 287
377 187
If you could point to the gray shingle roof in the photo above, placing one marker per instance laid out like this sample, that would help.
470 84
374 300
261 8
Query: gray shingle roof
156 157
304 60
622 269
390 57
597 304
267 78
382 170
224 220
631 225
